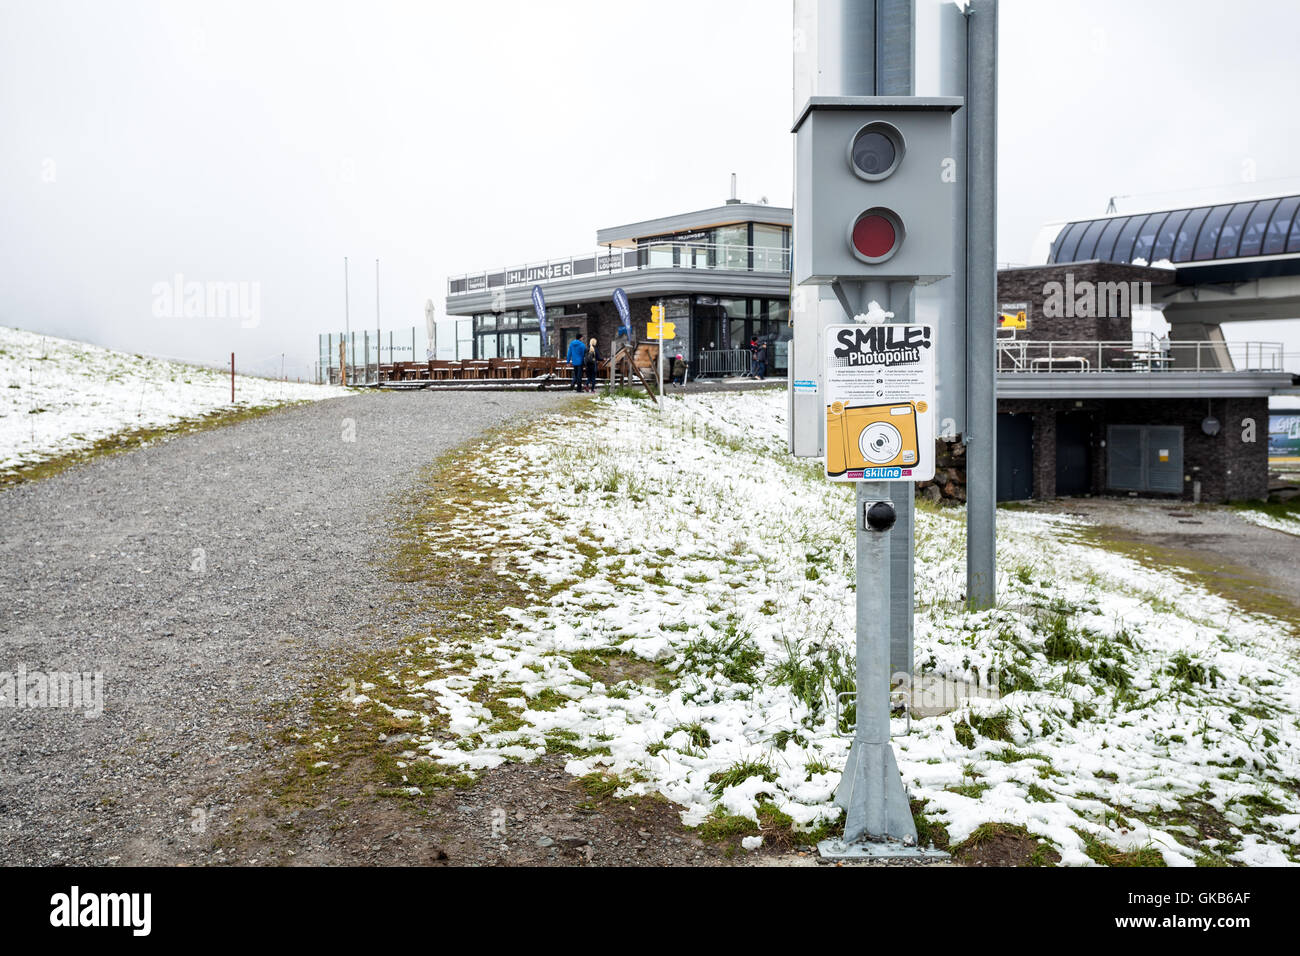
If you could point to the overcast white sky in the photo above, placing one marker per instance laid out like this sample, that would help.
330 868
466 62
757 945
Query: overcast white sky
262 142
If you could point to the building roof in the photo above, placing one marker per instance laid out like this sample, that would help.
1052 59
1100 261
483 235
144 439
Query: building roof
730 214
1192 235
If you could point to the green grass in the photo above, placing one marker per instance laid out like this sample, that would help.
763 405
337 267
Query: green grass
733 655
775 827
739 772
1187 671
1281 510
1107 855
987 834
699 737
816 678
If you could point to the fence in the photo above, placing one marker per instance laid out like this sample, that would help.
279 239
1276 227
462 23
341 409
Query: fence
726 363
657 255
1138 355
362 351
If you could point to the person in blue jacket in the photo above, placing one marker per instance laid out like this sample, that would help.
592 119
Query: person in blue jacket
577 358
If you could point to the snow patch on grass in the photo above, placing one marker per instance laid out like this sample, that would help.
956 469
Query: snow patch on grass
1286 523
59 396
1139 717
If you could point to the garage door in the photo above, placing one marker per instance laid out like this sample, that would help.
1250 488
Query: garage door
1144 458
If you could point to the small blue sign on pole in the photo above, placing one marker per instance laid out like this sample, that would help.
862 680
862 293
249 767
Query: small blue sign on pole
539 305
620 302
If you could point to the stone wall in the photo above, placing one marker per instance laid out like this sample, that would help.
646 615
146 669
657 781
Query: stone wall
1029 285
1227 465
949 484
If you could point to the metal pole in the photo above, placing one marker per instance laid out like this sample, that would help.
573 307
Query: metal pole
981 303
894 58
871 790
902 539
379 336
662 319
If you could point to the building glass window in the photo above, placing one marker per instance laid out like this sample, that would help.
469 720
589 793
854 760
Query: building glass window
1252 237
1293 244
735 314
770 248
1065 244
1123 251
733 247
779 334
1230 234
660 257
1106 244
1088 244
1147 236
696 255
1191 228
1280 226
1208 241
1168 233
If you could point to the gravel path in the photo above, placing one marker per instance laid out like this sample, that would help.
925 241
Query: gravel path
1254 565
202 578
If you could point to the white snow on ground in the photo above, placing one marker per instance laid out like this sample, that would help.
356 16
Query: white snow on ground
1288 524
1135 707
57 396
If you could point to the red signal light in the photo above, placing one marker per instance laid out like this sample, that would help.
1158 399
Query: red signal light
876 235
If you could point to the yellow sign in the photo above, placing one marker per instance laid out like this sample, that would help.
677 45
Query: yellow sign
1017 320
656 314
653 330
871 436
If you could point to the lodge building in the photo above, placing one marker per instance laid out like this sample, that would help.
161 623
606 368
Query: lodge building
722 275
1086 405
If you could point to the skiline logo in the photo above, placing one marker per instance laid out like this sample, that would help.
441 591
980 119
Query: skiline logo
879 474
73 909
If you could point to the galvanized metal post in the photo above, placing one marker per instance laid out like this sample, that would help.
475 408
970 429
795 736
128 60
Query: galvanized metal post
981 302
902 547
895 56
871 790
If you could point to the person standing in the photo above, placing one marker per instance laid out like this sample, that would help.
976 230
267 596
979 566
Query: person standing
760 360
577 358
593 361
679 369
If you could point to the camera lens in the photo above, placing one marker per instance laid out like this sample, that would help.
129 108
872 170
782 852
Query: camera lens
873 152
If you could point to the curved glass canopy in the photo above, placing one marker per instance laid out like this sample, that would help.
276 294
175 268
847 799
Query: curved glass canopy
1267 227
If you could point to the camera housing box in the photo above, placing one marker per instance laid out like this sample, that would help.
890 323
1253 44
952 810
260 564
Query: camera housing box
911 196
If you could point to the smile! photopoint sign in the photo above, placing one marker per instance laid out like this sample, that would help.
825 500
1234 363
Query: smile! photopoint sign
880 402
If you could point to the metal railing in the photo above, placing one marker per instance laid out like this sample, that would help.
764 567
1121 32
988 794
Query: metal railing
1139 355
658 255
363 351
726 363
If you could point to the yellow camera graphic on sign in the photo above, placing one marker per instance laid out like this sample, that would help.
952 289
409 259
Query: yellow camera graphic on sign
871 436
